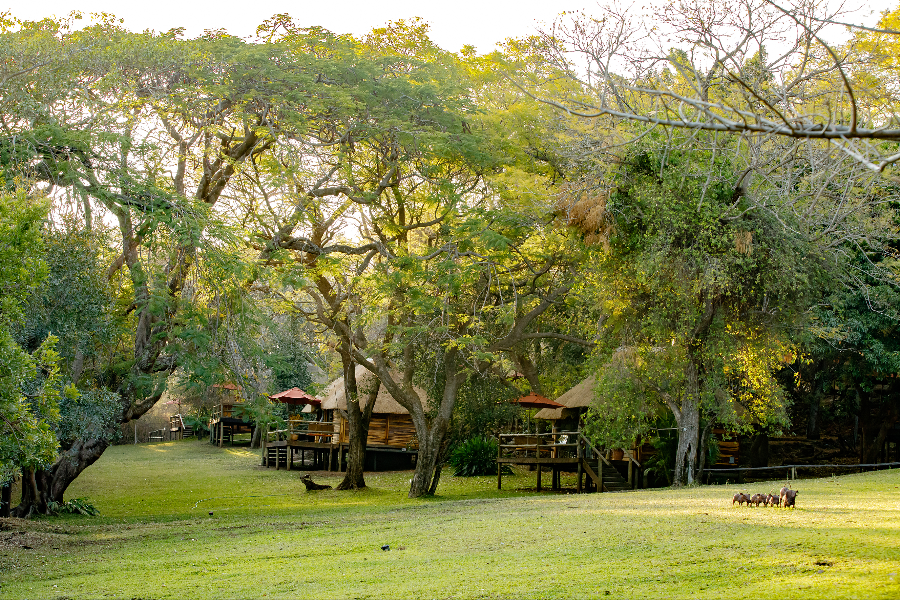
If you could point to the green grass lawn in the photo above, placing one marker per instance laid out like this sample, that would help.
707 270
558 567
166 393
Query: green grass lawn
268 538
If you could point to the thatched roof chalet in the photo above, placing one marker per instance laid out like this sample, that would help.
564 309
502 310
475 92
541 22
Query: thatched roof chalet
575 401
334 397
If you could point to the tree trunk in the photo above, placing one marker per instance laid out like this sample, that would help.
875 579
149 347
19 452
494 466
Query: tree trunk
759 450
702 449
255 438
358 434
5 499
43 486
812 423
358 419
427 472
688 430
432 435
873 445
34 495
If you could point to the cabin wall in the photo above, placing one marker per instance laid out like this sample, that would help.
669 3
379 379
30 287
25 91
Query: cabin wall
385 429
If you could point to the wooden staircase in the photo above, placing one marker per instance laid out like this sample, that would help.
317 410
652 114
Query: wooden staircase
568 451
611 478
602 475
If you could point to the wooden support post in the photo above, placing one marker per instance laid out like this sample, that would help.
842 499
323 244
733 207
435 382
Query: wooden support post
630 472
265 441
499 466
600 474
793 473
579 454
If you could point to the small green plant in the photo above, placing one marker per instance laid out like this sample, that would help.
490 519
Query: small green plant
475 456
198 422
75 506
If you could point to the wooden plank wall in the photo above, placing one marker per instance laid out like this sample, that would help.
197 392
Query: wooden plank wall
728 449
396 431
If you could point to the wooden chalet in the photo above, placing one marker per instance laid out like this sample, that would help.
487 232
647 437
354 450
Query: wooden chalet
392 442
567 418
575 403
321 429
225 422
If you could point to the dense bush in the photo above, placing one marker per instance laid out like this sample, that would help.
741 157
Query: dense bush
475 456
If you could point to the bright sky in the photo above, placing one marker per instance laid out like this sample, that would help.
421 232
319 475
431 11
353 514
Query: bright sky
454 23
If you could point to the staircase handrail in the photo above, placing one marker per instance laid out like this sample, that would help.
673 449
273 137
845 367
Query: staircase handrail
597 452
632 458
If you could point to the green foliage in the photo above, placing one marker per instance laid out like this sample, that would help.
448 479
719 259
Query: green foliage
694 281
287 356
662 464
89 414
75 302
475 456
29 384
22 267
198 421
74 506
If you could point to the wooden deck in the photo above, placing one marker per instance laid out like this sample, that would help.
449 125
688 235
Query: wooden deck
568 451
327 447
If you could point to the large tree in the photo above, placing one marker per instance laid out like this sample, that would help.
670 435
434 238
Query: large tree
147 131
702 293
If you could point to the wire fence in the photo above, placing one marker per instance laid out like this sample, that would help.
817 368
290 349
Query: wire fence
791 470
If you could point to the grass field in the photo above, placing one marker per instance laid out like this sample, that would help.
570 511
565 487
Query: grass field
268 538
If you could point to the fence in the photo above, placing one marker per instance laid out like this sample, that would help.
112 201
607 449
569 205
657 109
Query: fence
791 470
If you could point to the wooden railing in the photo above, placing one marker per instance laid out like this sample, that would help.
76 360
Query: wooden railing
539 448
320 431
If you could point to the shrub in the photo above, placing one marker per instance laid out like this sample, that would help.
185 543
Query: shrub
475 456
76 506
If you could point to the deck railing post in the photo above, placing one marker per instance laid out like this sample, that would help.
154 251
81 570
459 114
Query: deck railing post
600 472
578 454
538 456
265 439
630 471
499 467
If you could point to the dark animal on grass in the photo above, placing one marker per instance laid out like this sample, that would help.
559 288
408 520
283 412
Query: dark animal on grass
788 497
312 485
740 499
773 500
758 499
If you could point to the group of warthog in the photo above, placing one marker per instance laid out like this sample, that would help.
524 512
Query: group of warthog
786 498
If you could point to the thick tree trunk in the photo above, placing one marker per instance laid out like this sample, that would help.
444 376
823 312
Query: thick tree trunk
358 434
5 499
873 445
42 486
688 430
759 450
428 465
358 419
34 495
433 433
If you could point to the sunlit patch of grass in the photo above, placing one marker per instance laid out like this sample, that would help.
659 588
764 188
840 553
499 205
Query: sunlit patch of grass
267 537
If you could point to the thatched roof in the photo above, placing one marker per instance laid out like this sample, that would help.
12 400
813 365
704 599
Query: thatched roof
579 396
334 396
